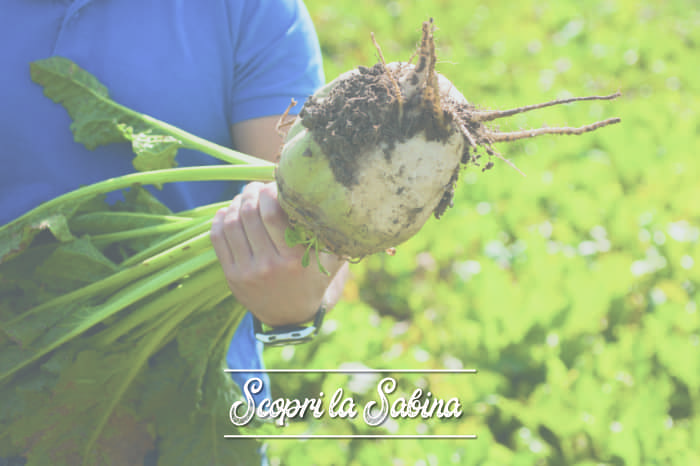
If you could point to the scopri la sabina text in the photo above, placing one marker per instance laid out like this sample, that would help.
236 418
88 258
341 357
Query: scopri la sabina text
374 412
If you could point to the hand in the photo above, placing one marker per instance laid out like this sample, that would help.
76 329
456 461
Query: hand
263 273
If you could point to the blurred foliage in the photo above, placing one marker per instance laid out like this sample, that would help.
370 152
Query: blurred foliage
574 290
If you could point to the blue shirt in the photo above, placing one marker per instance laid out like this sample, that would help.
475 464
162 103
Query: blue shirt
201 65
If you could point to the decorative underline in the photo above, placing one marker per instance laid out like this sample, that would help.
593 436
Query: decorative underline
361 371
359 436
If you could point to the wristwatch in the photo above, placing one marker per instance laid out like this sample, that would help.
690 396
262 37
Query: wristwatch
289 334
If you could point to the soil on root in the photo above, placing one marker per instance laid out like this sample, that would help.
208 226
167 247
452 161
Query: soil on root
362 112
365 110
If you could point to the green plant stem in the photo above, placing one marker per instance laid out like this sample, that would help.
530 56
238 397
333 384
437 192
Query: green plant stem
207 173
96 223
118 302
172 310
205 211
170 257
170 242
208 283
170 227
191 141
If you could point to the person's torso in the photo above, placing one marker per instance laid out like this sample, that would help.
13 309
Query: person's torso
174 60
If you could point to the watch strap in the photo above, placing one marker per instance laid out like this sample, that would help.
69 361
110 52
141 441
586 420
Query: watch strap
289 334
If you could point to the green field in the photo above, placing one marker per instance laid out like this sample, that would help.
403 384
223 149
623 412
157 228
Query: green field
574 290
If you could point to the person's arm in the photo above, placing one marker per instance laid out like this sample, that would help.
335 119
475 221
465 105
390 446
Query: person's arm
264 274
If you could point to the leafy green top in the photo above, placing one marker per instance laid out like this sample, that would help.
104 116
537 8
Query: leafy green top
115 320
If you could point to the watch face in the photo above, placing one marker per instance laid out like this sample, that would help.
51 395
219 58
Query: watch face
286 336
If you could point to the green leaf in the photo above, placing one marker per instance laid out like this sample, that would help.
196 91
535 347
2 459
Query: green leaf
15 237
139 199
95 116
292 236
95 393
200 394
81 393
153 152
318 260
97 119
87 264
19 234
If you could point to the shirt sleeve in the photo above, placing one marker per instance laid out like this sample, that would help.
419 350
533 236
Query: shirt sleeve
277 58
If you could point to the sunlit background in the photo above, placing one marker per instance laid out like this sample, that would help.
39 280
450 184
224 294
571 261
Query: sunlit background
573 290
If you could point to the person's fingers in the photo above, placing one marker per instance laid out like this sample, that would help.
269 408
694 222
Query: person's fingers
218 240
258 237
235 234
275 219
